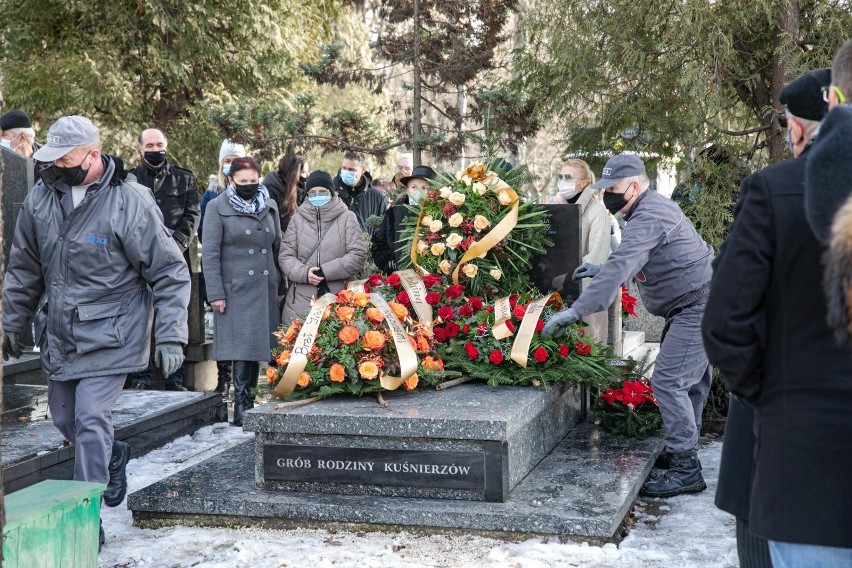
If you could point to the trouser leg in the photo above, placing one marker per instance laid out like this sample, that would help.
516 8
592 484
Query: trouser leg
223 369
243 372
142 378
698 394
177 377
680 379
60 399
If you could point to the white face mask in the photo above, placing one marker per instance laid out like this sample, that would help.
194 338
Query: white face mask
6 142
567 189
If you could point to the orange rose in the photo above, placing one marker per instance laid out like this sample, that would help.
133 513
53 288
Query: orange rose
374 340
337 373
291 334
283 358
345 313
271 374
375 315
345 296
348 335
400 310
433 363
412 342
411 382
368 370
362 299
422 344
304 379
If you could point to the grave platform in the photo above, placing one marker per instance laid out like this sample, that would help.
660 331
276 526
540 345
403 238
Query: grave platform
34 450
582 490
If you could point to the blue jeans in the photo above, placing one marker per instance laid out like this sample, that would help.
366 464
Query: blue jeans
792 555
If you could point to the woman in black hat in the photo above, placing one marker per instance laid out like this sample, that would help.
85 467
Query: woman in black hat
384 240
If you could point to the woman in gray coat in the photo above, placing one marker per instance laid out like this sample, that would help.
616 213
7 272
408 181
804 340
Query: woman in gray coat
242 237
322 249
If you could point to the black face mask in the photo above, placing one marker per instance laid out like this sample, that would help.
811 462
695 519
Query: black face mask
614 202
73 175
246 191
155 159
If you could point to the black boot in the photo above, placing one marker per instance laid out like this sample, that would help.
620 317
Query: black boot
245 375
683 476
101 537
223 380
116 489
664 460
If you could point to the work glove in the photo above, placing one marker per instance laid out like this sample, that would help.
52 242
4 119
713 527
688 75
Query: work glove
586 270
10 346
557 323
168 357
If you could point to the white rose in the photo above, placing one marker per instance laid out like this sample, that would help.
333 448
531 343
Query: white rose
422 247
445 192
459 174
454 240
445 266
455 220
467 181
456 198
426 221
481 223
480 188
438 249
470 270
435 226
496 274
504 198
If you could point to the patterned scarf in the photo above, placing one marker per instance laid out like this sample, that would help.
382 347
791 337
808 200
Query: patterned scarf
258 203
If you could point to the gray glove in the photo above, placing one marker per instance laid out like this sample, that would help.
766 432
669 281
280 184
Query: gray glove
586 270
168 357
557 323
10 346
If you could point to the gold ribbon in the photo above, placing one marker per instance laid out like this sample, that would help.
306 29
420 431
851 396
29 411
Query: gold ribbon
357 286
302 347
495 235
414 242
404 350
521 346
413 284
502 314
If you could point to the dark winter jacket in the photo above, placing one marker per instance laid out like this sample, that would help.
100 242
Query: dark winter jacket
384 245
364 200
176 193
99 269
765 329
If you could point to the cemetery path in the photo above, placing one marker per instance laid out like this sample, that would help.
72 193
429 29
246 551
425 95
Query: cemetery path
687 531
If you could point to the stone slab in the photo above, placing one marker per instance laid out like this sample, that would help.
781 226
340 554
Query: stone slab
34 450
503 432
582 490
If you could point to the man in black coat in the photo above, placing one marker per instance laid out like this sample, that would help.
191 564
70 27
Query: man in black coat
765 329
354 187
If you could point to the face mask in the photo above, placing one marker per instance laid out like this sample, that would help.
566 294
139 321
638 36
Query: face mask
6 143
567 189
246 191
415 196
226 169
789 140
348 177
73 175
319 200
614 202
155 159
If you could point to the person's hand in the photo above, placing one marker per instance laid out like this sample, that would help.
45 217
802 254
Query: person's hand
586 270
313 277
558 322
169 357
10 346
218 306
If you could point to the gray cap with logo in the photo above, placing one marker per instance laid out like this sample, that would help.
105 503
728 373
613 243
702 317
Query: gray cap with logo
619 167
66 134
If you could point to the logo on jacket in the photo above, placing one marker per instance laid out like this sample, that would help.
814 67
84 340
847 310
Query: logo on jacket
94 240
640 276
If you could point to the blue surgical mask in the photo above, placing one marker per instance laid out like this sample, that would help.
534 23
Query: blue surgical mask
348 177
226 169
319 200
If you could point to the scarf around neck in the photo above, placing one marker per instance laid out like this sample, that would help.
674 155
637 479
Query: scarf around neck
258 203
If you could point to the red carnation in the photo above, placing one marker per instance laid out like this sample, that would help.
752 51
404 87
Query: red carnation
465 311
440 334
471 350
402 298
489 309
582 349
475 303
432 298
445 313
454 291
466 328
540 355
564 350
496 357
376 280
452 329
513 299
539 325
482 328
511 326
519 310
431 280
394 280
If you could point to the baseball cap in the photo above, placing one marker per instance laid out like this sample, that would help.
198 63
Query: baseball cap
619 167
803 96
66 134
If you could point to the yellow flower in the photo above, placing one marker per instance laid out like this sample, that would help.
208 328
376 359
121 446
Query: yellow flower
445 267
436 226
455 220
504 198
426 220
454 240
445 192
496 274
470 270
438 249
481 223
368 370
422 247
456 198
362 299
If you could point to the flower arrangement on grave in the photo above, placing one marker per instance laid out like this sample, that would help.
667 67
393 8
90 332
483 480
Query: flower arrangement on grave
628 303
475 229
628 407
353 342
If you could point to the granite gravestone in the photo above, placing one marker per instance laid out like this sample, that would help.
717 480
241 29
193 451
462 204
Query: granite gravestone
18 179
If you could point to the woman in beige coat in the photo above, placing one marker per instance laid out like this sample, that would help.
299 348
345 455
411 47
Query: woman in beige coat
322 249
573 179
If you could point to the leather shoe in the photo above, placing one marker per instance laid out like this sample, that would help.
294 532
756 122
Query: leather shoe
175 387
117 487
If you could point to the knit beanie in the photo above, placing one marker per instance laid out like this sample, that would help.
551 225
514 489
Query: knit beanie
229 148
319 178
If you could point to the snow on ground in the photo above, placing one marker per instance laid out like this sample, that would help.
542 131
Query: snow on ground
684 532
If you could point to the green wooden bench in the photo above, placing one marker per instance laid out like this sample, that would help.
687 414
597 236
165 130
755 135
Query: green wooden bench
53 523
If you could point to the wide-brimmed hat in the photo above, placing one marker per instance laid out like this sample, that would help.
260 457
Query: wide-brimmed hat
422 172
66 134
619 167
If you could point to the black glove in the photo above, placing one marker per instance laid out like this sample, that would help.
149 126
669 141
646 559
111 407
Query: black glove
586 270
10 346
558 322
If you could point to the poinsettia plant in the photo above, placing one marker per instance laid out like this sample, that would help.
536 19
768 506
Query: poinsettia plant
628 303
628 408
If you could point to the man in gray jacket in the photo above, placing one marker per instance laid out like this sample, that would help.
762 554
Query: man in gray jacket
671 263
91 253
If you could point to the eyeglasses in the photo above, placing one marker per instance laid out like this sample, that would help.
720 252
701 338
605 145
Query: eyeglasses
841 98
560 177
317 192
